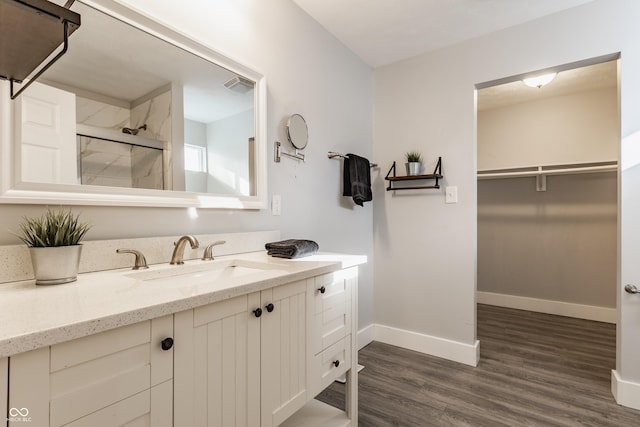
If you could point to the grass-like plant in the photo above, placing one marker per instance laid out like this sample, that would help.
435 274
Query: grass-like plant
413 157
54 228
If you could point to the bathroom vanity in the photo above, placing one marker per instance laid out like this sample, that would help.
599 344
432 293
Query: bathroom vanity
245 340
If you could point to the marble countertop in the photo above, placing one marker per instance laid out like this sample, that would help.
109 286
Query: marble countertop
36 316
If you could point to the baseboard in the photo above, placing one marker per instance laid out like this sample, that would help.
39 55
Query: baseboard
626 393
579 311
365 336
434 346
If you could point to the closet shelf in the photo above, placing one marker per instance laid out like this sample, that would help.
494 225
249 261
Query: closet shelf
541 172
563 169
436 175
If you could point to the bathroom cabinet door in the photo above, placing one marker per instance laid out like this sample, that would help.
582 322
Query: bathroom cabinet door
217 364
242 361
284 355
110 378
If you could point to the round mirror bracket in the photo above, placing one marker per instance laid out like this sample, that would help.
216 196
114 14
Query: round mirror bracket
278 153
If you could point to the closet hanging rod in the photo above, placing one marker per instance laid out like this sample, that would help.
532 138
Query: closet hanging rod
333 155
539 172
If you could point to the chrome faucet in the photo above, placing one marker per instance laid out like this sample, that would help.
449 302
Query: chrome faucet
178 251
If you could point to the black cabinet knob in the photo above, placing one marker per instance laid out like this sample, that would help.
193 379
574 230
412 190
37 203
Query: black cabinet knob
167 343
322 289
270 307
336 363
257 312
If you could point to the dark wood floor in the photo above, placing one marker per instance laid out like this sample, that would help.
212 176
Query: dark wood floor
535 370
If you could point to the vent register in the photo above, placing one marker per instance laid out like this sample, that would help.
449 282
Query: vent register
30 32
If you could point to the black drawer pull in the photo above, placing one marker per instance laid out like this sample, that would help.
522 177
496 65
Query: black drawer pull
269 307
257 312
336 363
322 289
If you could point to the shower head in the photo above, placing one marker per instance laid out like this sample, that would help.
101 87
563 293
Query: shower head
134 131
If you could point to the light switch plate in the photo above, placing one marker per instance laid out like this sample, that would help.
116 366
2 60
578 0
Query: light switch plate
276 204
451 194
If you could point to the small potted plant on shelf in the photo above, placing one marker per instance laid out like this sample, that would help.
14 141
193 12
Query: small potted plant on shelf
54 244
414 163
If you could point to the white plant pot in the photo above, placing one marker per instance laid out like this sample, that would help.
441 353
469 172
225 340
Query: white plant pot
55 265
413 168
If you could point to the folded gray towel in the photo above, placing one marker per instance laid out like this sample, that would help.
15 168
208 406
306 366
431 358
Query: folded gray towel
292 248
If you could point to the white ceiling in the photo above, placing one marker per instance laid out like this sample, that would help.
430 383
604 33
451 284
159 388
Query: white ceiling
109 58
592 77
386 31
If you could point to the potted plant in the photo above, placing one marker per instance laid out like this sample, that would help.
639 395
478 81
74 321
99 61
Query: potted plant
54 244
414 163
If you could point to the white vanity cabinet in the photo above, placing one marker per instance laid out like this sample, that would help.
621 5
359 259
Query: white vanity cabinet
331 327
331 348
243 361
260 359
115 378
252 360
217 364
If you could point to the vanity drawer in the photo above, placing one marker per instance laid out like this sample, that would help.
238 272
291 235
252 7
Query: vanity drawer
329 365
150 407
67 382
331 319
331 291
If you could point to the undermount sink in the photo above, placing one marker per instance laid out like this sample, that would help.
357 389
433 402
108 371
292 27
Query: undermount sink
209 271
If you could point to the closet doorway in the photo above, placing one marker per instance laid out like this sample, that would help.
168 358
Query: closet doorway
548 194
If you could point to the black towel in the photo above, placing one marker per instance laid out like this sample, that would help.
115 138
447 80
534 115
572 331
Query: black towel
357 179
292 248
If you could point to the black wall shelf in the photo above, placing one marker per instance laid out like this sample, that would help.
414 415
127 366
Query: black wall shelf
436 175
30 31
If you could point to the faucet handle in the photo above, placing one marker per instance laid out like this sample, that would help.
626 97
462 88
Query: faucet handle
208 251
141 261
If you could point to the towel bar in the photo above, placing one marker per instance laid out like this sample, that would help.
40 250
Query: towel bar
333 155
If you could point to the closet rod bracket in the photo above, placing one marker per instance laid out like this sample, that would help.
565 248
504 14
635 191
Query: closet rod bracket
541 181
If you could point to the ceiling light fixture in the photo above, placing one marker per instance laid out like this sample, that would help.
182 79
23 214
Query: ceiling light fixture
539 81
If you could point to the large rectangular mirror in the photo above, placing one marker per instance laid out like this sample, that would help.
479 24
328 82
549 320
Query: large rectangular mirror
136 114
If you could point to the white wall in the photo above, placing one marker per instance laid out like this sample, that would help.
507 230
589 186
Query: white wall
228 154
559 245
307 71
575 128
425 249
195 133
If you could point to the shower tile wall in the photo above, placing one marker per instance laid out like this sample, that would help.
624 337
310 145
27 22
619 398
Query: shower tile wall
105 162
156 114
127 166
99 114
116 164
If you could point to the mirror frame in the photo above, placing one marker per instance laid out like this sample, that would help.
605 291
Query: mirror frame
13 190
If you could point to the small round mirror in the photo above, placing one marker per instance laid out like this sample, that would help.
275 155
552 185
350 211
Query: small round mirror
297 131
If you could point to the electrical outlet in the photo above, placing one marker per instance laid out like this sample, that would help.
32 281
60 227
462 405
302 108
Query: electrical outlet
276 204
